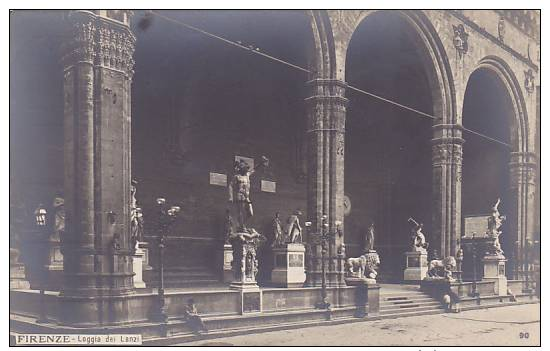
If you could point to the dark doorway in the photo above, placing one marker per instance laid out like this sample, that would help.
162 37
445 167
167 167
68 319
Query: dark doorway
388 174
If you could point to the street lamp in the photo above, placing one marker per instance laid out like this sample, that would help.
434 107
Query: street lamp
166 217
40 215
472 247
324 238
526 248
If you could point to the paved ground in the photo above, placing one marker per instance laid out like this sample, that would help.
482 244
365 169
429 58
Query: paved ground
510 326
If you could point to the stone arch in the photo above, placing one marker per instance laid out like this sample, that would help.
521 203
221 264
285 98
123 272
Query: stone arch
522 165
519 127
446 133
434 55
323 62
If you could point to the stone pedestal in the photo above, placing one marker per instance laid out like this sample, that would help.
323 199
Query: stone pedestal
138 268
53 265
494 269
288 263
227 257
18 279
417 266
367 296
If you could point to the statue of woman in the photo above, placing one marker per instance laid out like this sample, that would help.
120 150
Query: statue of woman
278 234
369 239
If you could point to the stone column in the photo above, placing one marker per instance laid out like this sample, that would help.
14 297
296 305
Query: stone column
523 190
98 68
447 185
326 108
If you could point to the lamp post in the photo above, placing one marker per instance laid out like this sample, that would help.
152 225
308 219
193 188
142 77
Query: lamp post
526 248
324 238
40 216
472 247
166 217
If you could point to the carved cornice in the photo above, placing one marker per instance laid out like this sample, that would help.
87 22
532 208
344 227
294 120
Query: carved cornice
100 42
458 14
523 20
115 49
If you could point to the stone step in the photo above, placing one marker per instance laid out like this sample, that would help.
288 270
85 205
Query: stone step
412 313
411 307
397 302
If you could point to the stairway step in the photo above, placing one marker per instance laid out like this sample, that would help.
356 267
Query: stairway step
412 313
397 302
410 307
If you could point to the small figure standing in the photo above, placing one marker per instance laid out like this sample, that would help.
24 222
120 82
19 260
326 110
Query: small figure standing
369 239
294 230
278 234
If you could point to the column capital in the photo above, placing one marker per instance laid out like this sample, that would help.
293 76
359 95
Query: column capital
99 40
525 159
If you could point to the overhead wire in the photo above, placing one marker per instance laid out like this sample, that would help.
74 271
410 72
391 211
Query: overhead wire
256 51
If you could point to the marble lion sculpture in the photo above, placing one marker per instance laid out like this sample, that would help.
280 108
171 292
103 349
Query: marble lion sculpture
442 268
363 266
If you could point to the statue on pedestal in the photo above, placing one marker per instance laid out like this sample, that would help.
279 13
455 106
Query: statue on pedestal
59 213
369 239
363 266
279 237
136 218
442 269
494 222
419 243
294 230
245 247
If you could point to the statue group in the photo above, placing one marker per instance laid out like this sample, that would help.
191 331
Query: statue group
292 234
494 222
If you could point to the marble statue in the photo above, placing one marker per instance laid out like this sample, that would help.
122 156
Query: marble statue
442 269
59 219
418 239
279 237
136 217
494 222
245 246
239 191
369 239
294 230
364 266
228 226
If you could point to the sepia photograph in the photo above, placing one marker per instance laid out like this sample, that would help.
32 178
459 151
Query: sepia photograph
283 177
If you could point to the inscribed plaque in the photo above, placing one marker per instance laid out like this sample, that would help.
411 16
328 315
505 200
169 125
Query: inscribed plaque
268 186
475 224
252 302
296 260
218 179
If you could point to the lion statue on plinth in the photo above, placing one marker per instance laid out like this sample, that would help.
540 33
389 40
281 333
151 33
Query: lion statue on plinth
363 266
442 269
